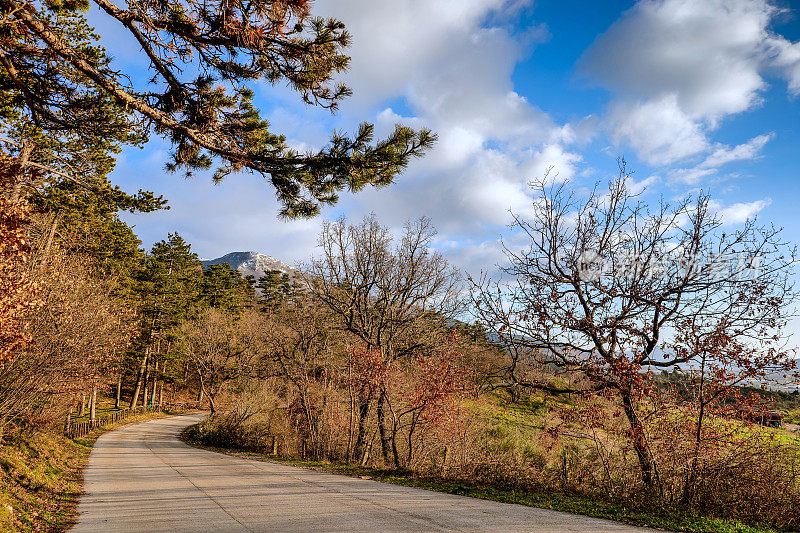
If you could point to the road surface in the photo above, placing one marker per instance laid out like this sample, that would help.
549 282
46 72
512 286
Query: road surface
141 478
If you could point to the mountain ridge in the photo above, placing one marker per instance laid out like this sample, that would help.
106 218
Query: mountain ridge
254 264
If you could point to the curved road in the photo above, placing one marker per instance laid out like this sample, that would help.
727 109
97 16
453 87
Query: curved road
142 478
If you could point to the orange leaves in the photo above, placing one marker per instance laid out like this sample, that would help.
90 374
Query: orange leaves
368 369
426 384
442 378
16 288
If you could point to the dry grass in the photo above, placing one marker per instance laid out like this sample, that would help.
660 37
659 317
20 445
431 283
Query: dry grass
41 477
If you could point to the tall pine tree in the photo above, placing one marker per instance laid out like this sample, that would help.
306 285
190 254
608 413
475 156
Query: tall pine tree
225 288
168 288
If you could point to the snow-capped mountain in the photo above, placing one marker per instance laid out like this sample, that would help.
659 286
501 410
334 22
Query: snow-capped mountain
254 264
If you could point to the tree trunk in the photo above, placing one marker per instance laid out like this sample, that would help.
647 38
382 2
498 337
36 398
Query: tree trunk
50 236
24 155
639 441
83 405
395 453
139 376
93 405
211 404
363 412
410 455
384 433
146 382
691 477
153 397
160 394
118 397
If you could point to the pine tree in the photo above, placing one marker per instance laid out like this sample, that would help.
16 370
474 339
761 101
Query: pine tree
70 148
275 288
168 288
205 57
223 287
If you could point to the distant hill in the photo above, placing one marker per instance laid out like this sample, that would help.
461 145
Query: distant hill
255 264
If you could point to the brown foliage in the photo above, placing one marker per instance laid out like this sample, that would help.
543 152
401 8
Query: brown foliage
78 332
17 289
221 347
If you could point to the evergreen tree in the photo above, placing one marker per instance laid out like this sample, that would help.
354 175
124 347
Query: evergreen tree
70 143
205 57
275 288
52 117
168 289
87 222
224 287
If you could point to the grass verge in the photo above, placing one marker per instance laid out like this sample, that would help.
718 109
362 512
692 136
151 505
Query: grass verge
41 476
555 501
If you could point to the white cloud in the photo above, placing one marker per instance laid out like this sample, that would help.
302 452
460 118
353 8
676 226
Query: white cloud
446 65
786 58
678 67
722 155
739 212
658 129
454 76
636 187
690 175
725 154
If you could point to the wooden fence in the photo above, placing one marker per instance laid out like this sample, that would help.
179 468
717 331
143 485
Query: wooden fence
79 429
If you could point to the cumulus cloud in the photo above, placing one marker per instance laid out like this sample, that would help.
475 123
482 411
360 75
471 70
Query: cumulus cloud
786 58
721 155
658 129
446 65
678 67
739 212
454 76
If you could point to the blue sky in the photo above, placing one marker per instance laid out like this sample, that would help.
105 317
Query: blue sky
695 94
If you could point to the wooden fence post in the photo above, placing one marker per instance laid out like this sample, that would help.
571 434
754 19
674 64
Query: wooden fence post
93 405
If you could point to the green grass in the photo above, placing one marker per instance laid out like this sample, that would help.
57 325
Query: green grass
104 406
559 502
792 416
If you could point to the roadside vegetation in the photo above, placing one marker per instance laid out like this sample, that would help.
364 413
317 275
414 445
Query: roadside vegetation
626 362
369 365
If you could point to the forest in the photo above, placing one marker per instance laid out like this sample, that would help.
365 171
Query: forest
627 361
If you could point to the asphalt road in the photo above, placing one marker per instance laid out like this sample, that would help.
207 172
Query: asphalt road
141 478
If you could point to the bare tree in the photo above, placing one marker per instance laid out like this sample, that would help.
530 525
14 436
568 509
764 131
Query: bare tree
603 283
79 334
300 343
222 347
380 293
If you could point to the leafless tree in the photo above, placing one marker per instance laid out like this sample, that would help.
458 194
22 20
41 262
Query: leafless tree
604 281
79 333
380 292
301 345
222 347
